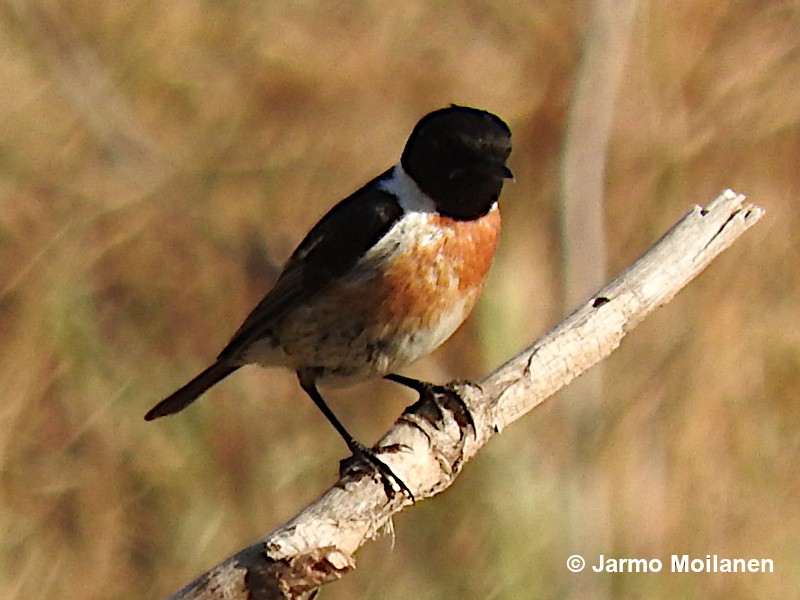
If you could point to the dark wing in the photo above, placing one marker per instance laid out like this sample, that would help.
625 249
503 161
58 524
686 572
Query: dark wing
329 250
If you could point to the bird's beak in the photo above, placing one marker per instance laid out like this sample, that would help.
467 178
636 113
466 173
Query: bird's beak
497 170
493 169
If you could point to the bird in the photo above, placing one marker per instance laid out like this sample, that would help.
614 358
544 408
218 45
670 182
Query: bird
386 276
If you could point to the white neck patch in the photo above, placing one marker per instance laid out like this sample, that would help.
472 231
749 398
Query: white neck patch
409 195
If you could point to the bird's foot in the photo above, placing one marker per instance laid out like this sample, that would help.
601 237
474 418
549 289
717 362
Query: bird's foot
447 396
391 482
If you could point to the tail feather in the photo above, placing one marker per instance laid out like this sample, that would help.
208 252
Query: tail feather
191 391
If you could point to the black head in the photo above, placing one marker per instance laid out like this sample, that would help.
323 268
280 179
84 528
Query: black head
457 156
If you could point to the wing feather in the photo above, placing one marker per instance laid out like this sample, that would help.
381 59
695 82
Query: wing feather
328 252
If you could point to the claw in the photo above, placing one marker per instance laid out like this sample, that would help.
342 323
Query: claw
391 482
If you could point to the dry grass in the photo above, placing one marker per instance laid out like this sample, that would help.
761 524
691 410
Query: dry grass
157 160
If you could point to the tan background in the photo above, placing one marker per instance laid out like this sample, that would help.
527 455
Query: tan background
158 159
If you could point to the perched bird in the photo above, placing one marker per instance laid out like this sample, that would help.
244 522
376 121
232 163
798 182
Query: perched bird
386 276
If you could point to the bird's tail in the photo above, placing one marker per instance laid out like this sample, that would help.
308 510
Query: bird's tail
191 391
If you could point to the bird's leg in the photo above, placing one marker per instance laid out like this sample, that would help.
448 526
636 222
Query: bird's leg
421 387
359 450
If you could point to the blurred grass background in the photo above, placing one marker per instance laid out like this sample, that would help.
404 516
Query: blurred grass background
158 162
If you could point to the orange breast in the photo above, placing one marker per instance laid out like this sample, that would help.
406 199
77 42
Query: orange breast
405 298
442 270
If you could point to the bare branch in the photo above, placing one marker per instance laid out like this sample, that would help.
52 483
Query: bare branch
430 443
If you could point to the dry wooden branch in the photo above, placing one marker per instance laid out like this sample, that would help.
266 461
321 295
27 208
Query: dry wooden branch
430 443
